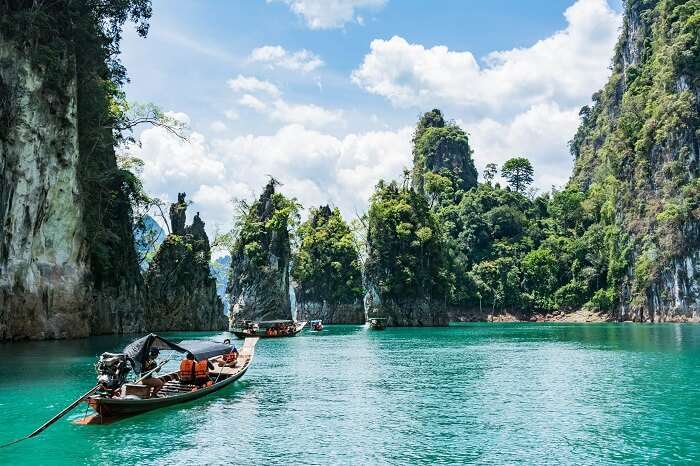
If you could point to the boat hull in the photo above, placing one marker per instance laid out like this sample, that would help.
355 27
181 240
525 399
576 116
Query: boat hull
241 334
116 407
109 407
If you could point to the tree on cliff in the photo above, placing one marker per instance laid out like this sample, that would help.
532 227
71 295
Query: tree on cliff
181 292
440 145
260 256
518 171
326 266
406 257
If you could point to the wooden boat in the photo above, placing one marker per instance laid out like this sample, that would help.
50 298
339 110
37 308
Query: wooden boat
377 323
128 402
268 329
316 325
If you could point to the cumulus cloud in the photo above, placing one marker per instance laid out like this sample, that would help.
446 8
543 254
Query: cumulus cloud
253 102
565 67
330 14
308 115
275 56
540 134
278 109
313 166
253 85
522 101
218 126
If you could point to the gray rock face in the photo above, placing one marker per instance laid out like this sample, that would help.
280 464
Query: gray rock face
353 313
47 284
657 170
181 291
259 285
407 313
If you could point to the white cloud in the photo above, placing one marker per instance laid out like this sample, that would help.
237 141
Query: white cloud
539 134
276 56
231 115
329 14
523 101
313 166
307 115
218 126
565 67
253 102
179 116
253 85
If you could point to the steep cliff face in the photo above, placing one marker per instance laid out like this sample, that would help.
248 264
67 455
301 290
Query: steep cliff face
406 276
637 157
181 291
259 284
441 147
67 265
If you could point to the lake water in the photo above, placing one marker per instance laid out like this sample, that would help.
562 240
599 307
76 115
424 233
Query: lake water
475 393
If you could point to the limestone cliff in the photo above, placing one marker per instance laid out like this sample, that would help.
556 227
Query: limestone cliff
259 283
637 156
326 270
441 147
181 291
67 263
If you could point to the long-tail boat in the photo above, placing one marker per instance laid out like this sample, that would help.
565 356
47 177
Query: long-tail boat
118 398
268 328
377 323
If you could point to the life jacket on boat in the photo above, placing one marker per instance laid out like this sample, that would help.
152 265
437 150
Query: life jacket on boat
187 370
201 369
230 357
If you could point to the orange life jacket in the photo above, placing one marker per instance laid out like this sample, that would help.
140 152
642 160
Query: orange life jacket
201 369
230 357
187 370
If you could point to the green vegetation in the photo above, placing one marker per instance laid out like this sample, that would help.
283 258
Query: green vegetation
406 258
326 266
518 171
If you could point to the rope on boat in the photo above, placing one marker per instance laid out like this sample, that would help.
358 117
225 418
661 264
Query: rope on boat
58 416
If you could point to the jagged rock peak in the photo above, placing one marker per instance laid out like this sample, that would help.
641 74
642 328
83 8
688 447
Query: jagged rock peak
178 214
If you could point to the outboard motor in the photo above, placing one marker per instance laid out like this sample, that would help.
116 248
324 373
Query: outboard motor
112 369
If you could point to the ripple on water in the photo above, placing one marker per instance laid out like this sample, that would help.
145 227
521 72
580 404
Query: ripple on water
478 393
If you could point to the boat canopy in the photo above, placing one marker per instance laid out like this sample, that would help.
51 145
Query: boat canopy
205 349
138 350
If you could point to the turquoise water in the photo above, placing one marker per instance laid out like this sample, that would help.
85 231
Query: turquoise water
481 393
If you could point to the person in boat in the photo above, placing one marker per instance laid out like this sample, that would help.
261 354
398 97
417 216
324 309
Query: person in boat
201 372
154 382
229 359
187 366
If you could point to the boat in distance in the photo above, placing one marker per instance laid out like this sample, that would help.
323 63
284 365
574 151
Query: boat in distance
268 328
377 323
129 399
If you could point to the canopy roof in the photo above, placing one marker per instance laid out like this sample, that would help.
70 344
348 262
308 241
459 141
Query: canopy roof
205 349
138 350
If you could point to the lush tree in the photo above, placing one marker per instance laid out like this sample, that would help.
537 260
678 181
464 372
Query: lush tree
490 172
406 256
326 266
438 146
519 173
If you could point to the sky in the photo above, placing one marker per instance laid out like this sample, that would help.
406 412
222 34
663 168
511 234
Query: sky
324 94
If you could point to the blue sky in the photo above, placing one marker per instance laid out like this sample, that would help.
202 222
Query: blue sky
322 94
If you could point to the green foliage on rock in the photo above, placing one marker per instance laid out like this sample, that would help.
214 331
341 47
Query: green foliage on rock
406 249
440 145
326 266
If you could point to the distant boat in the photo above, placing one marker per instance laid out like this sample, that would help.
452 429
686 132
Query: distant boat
268 328
316 325
377 323
127 399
